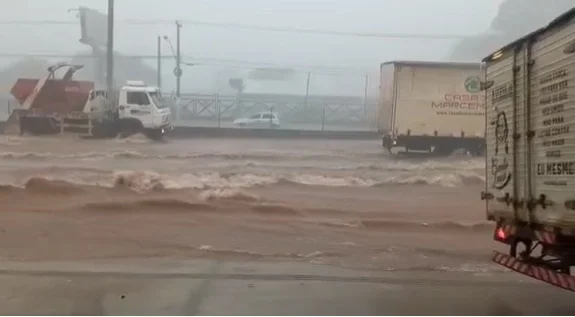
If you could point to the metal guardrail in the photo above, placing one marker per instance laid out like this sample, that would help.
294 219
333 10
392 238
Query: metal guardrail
218 110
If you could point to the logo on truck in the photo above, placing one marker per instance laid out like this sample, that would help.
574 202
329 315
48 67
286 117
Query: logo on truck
473 84
500 169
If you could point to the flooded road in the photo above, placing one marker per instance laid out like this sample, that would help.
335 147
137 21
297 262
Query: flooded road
342 203
295 208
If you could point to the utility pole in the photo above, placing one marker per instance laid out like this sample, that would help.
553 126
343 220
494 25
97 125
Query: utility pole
110 51
307 88
365 95
178 69
159 67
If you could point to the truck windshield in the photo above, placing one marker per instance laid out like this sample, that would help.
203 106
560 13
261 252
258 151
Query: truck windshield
158 99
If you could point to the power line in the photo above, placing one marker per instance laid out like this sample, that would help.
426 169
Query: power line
57 55
213 62
207 61
255 28
317 70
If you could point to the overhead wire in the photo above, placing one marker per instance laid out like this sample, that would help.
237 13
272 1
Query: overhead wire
227 63
253 28
211 62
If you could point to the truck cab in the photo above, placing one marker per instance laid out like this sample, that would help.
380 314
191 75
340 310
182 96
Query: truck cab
134 108
138 101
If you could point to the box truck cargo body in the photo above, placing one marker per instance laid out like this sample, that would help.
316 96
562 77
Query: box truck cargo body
530 151
431 106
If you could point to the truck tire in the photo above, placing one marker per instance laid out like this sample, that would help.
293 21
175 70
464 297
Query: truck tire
154 134
479 150
104 130
443 150
38 126
128 127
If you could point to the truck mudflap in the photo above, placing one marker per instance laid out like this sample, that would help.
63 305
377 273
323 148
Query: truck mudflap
539 252
537 272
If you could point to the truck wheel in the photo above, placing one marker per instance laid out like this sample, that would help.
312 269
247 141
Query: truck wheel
104 130
22 126
520 248
129 127
480 151
442 150
154 134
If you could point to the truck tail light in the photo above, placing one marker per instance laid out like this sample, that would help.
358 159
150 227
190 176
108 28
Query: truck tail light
501 234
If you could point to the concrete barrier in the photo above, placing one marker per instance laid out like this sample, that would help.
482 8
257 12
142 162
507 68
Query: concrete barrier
186 132
206 132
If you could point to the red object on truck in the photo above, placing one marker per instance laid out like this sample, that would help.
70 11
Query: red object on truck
56 96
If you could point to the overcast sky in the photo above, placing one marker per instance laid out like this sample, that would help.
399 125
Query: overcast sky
206 42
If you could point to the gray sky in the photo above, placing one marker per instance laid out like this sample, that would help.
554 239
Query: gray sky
204 42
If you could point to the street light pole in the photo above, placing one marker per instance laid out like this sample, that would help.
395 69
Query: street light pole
365 95
178 69
110 50
307 88
159 67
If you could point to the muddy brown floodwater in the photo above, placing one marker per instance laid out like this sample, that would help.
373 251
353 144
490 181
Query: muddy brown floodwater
343 203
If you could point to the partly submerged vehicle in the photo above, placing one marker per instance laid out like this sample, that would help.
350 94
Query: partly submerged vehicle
61 105
259 120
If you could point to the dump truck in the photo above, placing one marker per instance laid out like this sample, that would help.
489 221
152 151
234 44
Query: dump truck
54 105
530 152
431 106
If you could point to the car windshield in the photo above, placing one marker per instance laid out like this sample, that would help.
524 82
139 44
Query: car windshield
158 100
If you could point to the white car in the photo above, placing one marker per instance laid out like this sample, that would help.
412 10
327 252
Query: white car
259 120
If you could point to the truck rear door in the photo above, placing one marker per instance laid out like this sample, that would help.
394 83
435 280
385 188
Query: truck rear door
505 135
552 120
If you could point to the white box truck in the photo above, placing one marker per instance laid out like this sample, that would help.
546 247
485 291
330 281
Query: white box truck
530 152
431 106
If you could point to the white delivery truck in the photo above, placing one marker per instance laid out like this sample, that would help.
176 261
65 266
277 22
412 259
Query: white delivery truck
530 152
431 106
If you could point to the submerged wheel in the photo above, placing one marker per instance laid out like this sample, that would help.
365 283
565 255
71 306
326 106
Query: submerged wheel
104 129
129 127
520 248
38 125
443 150
154 134
477 150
